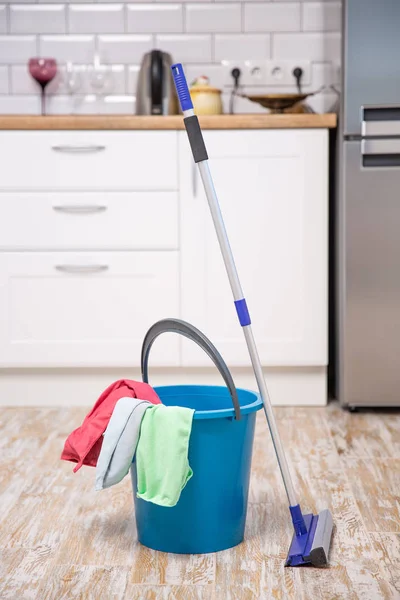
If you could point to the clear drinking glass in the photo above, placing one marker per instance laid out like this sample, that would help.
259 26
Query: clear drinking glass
100 76
73 81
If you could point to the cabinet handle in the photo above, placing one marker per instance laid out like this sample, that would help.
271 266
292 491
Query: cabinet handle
78 149
80 209
194 179
81 268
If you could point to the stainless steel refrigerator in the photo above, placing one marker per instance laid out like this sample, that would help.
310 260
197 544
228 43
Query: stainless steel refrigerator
368 207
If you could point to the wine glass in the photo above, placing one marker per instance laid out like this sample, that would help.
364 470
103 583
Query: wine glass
43 70
100 76
73 80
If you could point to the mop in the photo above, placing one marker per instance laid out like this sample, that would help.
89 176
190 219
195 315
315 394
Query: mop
312 533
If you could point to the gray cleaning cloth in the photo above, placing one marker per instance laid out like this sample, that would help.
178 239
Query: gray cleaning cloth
119 442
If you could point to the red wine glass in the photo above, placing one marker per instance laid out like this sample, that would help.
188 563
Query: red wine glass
43 70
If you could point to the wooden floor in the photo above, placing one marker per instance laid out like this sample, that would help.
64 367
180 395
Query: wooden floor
59 539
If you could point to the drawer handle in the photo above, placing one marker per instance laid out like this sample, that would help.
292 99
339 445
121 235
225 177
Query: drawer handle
81 268
80 209
78 149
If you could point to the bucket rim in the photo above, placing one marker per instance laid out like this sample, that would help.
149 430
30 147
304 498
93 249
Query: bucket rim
222 413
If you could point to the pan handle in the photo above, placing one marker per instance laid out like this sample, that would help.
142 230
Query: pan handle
318 91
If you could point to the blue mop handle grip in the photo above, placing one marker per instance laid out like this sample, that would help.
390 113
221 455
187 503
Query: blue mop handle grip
181 87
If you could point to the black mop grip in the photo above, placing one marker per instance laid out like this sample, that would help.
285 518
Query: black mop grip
196 139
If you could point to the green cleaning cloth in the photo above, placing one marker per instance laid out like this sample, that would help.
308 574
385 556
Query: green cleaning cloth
162 461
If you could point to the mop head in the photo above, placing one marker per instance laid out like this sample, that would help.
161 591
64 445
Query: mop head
312 547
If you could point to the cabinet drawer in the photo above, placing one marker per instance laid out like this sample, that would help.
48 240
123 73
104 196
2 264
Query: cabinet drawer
239 144
88 160
89 221
72 309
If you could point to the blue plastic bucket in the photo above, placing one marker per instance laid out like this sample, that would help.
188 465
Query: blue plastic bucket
211 513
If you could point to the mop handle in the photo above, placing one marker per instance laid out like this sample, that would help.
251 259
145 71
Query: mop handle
201 158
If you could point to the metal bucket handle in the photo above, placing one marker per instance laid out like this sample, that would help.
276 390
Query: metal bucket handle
189 331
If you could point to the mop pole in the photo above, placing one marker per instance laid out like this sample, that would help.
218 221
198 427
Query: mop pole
201 158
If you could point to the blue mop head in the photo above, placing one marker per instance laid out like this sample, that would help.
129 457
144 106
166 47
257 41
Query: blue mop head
310 544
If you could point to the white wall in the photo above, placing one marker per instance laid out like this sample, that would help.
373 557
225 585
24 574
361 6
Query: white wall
198 34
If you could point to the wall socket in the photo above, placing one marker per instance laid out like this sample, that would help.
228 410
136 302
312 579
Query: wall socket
274 73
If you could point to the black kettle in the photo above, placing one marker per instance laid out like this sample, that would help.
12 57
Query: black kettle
155 94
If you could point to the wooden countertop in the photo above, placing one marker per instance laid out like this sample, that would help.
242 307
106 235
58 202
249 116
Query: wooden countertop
127 122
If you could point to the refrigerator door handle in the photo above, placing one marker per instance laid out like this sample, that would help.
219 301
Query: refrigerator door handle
380 121
382 153
384 146
380 128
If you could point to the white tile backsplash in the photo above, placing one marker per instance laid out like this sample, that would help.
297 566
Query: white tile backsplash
20 105
241 46
321 16
308 46
186 48
214 72
40 18
122 105
21 81
324 74
125 49
17 49
213 17
61 105
96 18
4 83
74 48
265 16
91 105
155 18
199 33
133 72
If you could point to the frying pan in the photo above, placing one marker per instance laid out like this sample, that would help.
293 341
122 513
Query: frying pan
278 102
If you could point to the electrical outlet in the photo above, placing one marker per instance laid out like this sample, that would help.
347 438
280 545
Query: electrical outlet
280 72
266 73
252 72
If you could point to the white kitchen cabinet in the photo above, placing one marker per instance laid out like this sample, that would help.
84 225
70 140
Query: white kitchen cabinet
273 190
91 309
102 233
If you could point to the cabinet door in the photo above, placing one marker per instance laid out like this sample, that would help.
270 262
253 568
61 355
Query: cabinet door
273 191
86 309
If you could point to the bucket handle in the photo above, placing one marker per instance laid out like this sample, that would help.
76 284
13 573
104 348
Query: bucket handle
194 334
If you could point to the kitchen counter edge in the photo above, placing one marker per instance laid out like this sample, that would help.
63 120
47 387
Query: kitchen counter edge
170 122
